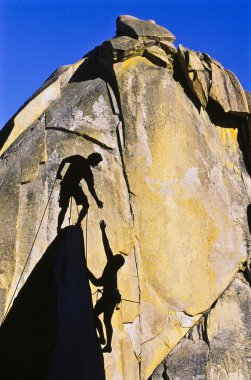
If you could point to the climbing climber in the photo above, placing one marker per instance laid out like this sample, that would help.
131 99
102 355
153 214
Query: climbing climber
110 296
79 168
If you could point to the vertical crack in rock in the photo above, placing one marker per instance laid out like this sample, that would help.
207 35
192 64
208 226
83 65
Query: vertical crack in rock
138 277
115 104
139 289
120 134
165 374
124 170
246 270
113 101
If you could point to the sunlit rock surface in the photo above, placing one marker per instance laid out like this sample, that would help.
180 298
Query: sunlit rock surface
219 346
174 180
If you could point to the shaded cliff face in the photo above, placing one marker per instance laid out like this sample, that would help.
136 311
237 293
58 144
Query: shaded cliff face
172 129
49 332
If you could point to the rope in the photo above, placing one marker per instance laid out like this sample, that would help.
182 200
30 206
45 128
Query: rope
77 208
123 299
28 255
70 211
121 311
97 291
86 237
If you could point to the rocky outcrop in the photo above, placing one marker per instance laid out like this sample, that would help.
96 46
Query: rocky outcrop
218 347
207 78
172 129
135 28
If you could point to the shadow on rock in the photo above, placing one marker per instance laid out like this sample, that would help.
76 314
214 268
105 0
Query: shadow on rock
49 332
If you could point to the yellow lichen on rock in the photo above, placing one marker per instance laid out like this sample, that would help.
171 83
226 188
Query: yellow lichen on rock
177 180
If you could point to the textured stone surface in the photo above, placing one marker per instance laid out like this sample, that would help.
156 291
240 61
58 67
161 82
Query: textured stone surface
248 96
233 99
177 182
219 347
173 181
158 56
134 27
38 104
208 78
197 76
123 47
168 47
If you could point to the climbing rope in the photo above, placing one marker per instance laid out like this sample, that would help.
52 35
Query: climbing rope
26 262
70 211
77 208
86 227
120 308
123 299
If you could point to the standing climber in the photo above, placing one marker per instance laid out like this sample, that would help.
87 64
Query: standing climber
79 168
110 296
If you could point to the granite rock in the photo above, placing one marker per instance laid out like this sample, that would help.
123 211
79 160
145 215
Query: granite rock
135 28
219 347
174 181
121 48
207 78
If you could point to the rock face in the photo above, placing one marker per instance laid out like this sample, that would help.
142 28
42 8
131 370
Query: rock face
172 129
218 347
208 79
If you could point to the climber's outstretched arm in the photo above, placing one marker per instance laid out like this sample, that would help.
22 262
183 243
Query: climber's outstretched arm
95 281
106 244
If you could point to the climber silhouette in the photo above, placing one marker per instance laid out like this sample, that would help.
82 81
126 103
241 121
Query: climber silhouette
111 296
79 168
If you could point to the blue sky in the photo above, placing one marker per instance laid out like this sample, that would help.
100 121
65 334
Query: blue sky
37 36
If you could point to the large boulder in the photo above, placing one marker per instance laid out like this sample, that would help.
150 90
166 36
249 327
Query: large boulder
135 28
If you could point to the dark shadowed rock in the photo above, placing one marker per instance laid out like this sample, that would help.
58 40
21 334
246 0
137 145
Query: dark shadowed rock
134 27
122 47
49 332
196 74
157 56
168 47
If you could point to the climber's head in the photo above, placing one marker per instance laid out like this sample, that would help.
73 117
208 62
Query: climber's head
94 159
118 261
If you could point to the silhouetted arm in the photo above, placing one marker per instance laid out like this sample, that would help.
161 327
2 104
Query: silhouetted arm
94 280
92 190
106 244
